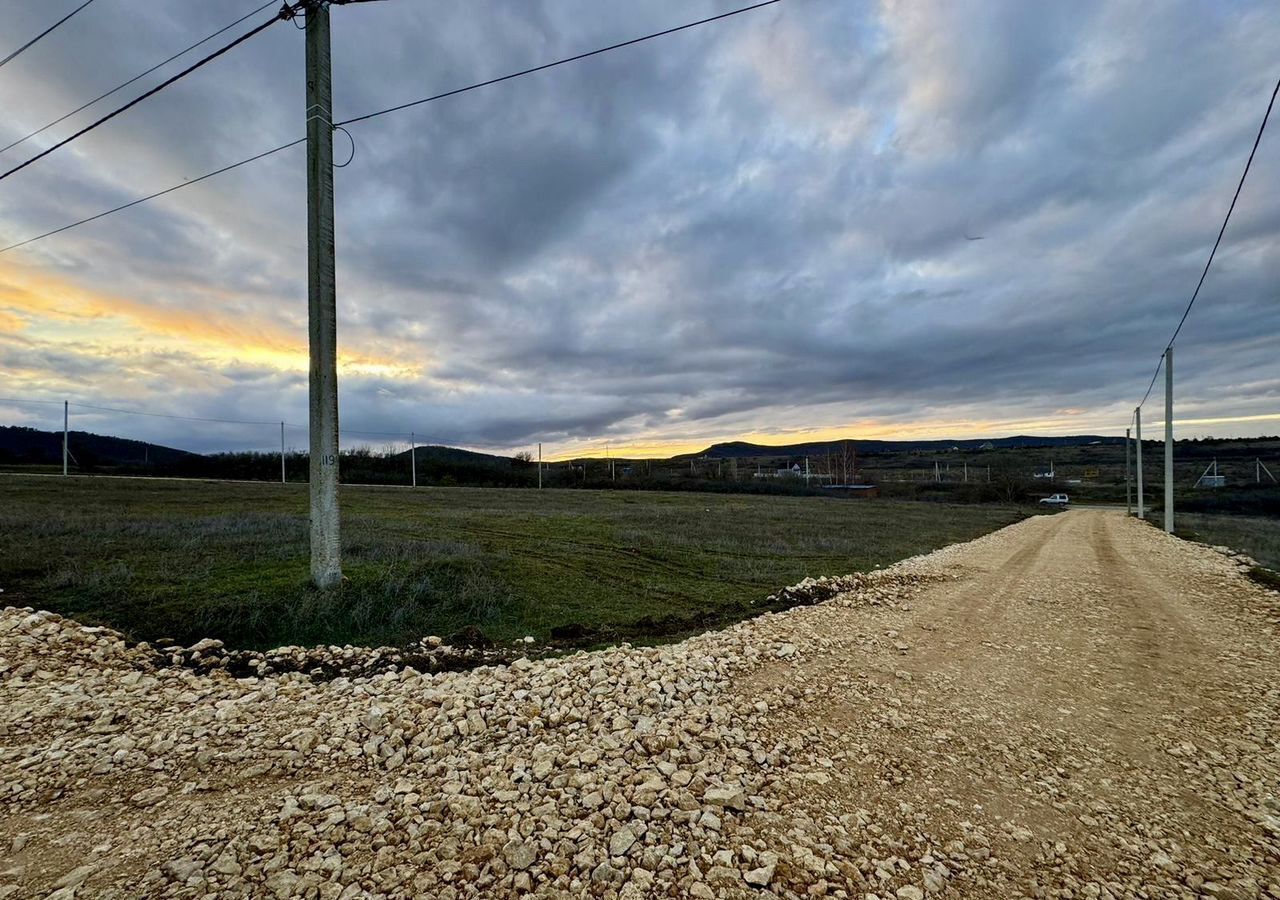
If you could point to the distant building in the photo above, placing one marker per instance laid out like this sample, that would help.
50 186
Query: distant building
794 471
987 445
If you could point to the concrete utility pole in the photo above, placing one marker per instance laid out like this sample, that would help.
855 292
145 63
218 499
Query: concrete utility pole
1168 439
65 419
326 548
1128 488
282 478
413 458
1137 413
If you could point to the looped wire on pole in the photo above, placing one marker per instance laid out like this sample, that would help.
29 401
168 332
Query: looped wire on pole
353 148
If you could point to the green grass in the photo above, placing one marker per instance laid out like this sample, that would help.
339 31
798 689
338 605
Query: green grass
197 559
1256 536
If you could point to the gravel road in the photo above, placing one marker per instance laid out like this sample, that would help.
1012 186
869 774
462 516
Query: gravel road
1074 706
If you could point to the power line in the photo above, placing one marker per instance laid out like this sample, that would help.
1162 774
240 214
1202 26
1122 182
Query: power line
559 62
1243 175
135 412
461 90
20 400
284 12
168 190
31 42
135 78
155 415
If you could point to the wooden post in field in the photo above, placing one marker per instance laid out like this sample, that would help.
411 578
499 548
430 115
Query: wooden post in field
65 419
539 465
282 478
1137 414
413 457
1128 488
1168 439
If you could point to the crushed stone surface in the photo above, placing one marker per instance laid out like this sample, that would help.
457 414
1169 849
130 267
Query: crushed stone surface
1074 706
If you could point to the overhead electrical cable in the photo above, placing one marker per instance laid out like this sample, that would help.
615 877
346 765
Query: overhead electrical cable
284 12
20 400
137 77
42 34
135 412
168 190
1243 175
552 65
383 112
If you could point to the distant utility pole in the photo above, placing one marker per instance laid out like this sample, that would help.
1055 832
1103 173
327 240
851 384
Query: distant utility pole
64 436
326 548
539 465
1137 413
413 457
1168 439
282 478
1128 488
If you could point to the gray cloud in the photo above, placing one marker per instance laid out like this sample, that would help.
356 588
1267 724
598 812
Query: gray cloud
756 226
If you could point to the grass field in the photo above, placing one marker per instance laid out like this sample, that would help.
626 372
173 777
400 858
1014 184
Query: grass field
1257 536
197 559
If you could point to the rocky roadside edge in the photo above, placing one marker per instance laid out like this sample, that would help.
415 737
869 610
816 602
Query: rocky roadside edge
468 649
619 773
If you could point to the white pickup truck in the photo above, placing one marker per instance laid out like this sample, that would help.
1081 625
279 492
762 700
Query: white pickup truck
1060 500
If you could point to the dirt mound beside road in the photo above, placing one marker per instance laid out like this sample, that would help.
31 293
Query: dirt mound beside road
1073 706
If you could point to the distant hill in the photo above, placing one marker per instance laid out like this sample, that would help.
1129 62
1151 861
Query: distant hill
30 446
438 453
742 449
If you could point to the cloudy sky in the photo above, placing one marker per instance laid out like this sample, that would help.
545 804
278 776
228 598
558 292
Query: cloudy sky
755 229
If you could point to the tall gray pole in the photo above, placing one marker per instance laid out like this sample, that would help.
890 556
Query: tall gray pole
539 465
1128 487
1137 413
64 436
413 456
326 551
282 478
1168 439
